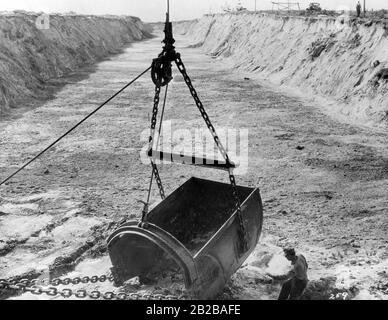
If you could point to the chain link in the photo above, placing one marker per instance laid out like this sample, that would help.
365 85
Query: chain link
242 231
56 282
155 114
158 180
152 138
24 286
201 108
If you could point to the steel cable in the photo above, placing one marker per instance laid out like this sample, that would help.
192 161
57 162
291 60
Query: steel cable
75 127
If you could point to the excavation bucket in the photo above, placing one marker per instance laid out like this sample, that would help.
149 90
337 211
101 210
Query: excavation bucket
194 230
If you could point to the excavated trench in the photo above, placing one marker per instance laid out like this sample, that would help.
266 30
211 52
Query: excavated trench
56 216
341 59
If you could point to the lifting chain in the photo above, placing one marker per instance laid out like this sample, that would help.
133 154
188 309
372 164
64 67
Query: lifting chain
154 119
242 231
31 286
161 76
158 180
201 108
155 170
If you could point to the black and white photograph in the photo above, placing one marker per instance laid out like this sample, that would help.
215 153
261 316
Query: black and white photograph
184 151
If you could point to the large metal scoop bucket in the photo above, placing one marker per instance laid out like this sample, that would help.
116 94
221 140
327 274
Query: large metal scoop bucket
195 229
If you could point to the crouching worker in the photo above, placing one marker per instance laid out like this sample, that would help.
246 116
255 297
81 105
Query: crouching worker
296 280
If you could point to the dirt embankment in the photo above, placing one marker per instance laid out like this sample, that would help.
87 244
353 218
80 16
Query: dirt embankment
33 53
323 183
341 59
182 26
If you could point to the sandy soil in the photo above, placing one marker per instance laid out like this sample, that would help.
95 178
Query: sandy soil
338 58
323 183
31 55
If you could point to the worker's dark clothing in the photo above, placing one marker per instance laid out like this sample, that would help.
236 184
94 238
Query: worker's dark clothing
294 287
358 8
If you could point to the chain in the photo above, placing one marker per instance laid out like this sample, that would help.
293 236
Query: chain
151 140
158 180
201 108
242 232
25 286
154 115
66 281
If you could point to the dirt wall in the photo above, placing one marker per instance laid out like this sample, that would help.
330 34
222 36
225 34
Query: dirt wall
31 54
341 59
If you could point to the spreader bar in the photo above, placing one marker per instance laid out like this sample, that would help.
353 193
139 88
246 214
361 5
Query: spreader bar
191 160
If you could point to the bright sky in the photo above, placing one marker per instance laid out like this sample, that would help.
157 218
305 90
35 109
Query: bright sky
154 10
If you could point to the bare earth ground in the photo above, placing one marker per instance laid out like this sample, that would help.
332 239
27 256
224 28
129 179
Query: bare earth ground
323 183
